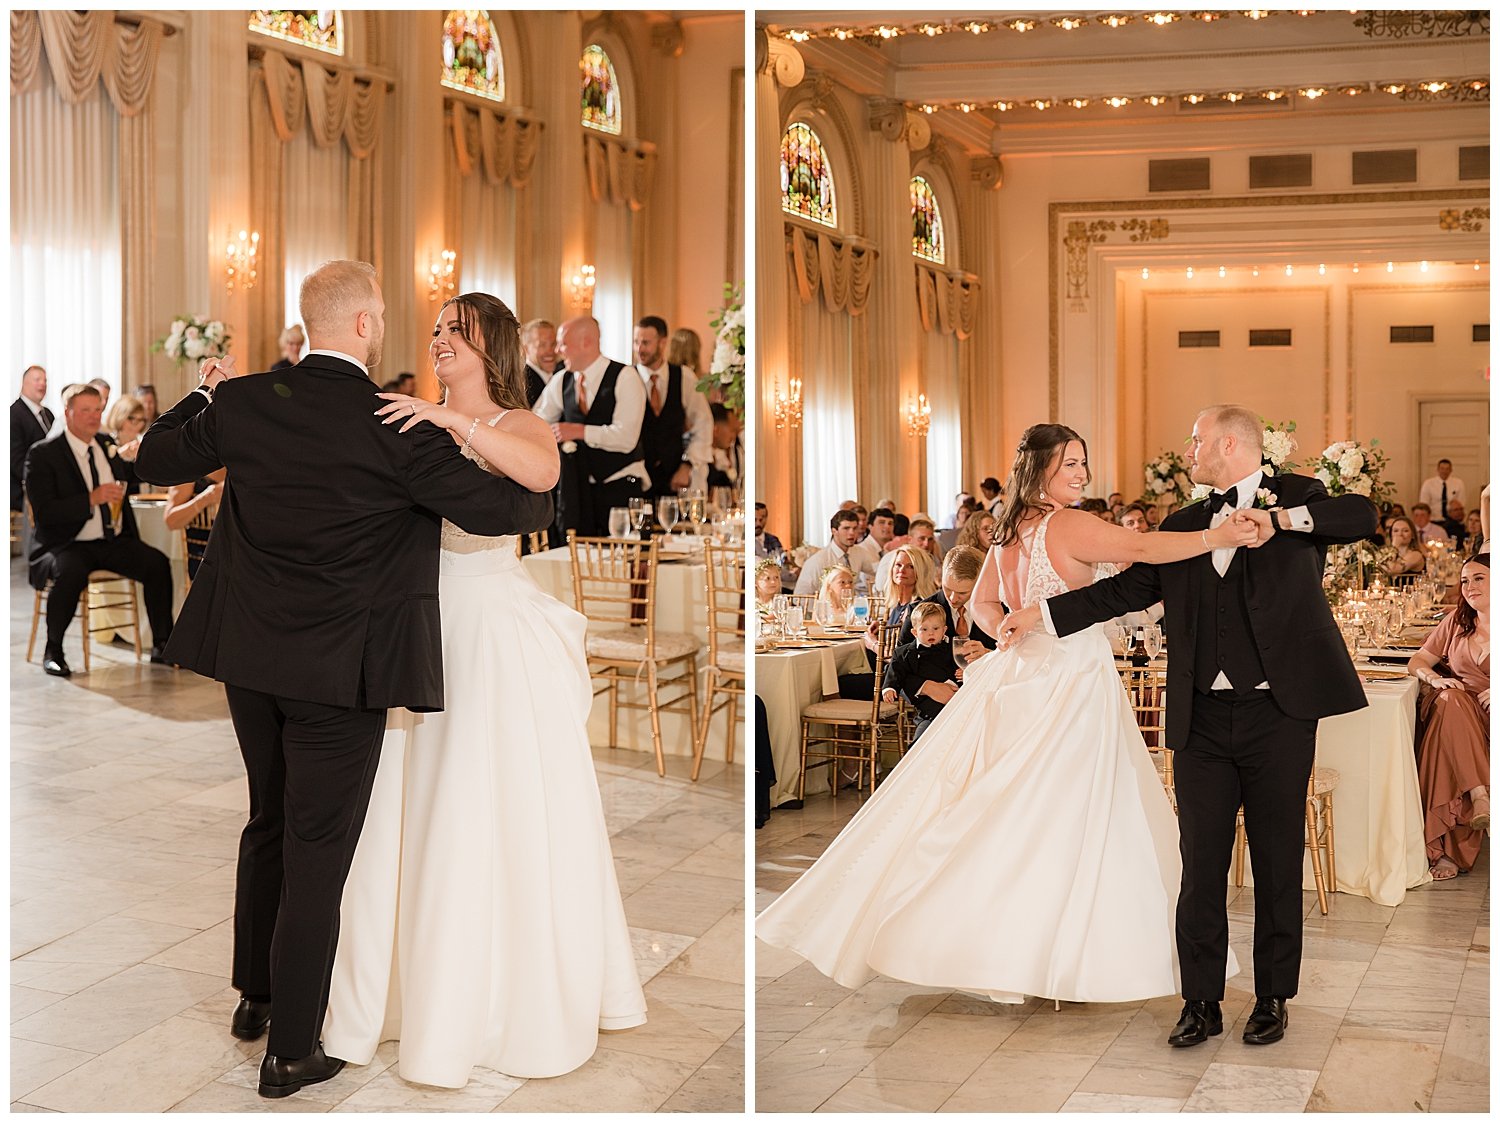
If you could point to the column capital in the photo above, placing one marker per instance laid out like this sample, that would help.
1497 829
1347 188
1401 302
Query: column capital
666 38
896 123
987 172
779 59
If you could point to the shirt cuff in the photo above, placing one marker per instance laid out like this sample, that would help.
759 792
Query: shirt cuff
1047 618
204 392
1299 518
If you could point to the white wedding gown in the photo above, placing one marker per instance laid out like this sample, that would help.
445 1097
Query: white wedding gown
482 923
1024 846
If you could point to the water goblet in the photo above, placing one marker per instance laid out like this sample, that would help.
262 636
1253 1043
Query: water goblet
667 512
619 522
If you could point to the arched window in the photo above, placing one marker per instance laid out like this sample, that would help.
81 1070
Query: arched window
600 97
471 54
322 30
926 222
806 178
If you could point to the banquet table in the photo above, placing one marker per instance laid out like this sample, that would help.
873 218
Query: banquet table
787 680
680 607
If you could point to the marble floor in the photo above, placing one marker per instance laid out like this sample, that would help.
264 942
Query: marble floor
127 797
1393 1015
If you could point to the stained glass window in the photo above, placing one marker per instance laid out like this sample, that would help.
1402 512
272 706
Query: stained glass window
471 54
926 222
322 30
806 179
601 90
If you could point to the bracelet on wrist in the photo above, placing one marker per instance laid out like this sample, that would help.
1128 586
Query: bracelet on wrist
468 440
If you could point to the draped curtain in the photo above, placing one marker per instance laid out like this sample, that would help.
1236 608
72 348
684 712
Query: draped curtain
489 168
82 212
940 382
316 227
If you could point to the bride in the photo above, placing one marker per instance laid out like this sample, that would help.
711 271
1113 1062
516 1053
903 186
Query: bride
482 923
1025 845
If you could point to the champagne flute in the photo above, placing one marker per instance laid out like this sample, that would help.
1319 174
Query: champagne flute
640 517
1153 641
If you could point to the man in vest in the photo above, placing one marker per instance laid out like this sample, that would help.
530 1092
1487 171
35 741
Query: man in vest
596 418
677 428
539 345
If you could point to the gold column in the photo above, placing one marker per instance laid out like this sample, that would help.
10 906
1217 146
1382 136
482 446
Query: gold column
986 446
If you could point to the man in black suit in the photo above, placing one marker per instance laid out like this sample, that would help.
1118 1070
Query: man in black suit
30 421
77 487
1256 660
961 566
539 345
316 606
595 406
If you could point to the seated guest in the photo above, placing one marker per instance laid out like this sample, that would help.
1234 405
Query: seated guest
767 581
882 531
923 536
123 424
103 388
836 590
989 488
1098 508
912 577
83 523
1453 523
961 568
290 343
977 533
902 530
1427 530
406 383
727 466
184 503
1153 516
1474 531
839 551
1405 555
767 545
1453 756
923 671
1134 518
146 393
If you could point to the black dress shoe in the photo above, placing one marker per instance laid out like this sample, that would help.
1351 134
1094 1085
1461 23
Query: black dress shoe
1199 1022
159 652
281 1076
250 1019
1267 1022
54 664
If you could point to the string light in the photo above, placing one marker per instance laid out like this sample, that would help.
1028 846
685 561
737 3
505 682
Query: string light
1190 273
1255 271
1068 23
1424 267
1222 272
1390 266
1021 26
1356 267
1322 269
1117 102
1146 273
1161 19
1313 93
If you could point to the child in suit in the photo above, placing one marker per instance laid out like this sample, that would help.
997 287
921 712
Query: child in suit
923 670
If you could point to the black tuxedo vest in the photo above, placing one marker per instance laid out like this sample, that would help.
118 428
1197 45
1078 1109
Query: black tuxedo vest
1226 641
600 463
663 435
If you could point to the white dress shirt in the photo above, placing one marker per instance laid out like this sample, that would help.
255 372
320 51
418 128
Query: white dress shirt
623 433
700 419
93 530
1432 494
856 559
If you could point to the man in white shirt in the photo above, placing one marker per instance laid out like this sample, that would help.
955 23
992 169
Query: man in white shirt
840 551
1440 490
596 414
539 345
1427 530
677 426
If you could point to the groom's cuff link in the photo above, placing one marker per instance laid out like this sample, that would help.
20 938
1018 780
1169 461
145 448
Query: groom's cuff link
1298 519
1047 618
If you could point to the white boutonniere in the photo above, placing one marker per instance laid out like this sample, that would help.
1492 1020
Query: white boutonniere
1200 493
569 446
1265 498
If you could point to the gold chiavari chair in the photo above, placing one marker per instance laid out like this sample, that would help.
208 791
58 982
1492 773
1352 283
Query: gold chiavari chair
852 728
614 585
725 673
1146 687
533 543
106 591
195 542
1320 788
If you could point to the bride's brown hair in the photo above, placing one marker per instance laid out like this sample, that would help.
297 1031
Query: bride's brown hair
491 329
1040 446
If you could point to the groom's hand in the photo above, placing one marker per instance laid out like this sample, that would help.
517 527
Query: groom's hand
1264 522
212 372
1015 626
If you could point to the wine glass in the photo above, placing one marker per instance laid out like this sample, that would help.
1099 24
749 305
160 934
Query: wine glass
619 522
640 515
1153 641
1118 637
666 511
793 620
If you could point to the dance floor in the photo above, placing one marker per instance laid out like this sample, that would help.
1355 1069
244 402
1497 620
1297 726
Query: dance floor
127 797
1393 1015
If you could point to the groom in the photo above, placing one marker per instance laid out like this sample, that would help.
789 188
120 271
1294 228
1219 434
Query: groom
316 605
1256 660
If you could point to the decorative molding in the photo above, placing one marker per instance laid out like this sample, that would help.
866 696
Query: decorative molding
666 38
896 123
1081 235
987 172
1423 24
779 59
1470 221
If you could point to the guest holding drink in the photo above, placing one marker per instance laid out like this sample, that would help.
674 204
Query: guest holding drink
912 577
1405 556
1453 757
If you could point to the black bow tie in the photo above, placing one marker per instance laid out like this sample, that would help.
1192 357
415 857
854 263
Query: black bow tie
1218 499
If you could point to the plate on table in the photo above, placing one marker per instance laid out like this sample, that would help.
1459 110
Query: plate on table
1374 674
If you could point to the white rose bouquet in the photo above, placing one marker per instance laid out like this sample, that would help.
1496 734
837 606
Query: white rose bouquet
1278 445
726 372
190 339
1167 480
1348 466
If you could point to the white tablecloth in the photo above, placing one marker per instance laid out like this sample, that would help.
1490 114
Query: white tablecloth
150 524
786 681
680 607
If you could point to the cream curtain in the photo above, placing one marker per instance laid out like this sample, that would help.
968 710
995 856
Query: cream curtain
316 225
66 270
614 300
489 166
824 353
486 243
949 304
837 267
940 382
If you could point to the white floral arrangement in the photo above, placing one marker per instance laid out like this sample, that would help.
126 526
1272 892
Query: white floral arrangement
1278 445
1346 565
1167 480
726 372
191 338
802 553
1350 467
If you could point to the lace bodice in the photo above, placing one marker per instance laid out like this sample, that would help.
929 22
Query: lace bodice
457 540
1042 580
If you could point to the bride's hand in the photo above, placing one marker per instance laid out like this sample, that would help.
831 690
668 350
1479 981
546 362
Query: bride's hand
1017 624
413 411
1241 530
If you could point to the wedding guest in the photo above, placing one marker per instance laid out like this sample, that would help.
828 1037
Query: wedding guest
185 502
83 523
978 532
1440 490
1134 518
290 343
1453 522
921 535
839 551
1453 758
1114 500
836 589
677 427
596 419
539 345
767 545
727 466
147 395
912 577
406 383
1474 531
767 581
989 488
966 511
1098 508
888 504
1153 516
1406 556
1398 509
960 573
1427 530
30 422
124 422
882 528
923 670
902 529
686 350
103 388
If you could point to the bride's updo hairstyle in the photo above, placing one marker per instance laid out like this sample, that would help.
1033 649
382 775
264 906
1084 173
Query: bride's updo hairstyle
493 331
1040 448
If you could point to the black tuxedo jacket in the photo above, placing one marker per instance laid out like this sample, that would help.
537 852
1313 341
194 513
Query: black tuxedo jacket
1299 643
536 382
940 598
59 494
25 431
320 580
